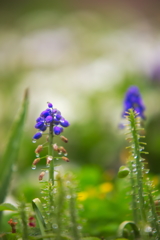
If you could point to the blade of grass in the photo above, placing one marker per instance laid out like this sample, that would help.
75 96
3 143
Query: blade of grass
37 207
11 153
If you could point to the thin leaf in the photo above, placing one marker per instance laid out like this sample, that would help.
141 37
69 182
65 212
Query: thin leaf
11 153
37 207
132 225
7 206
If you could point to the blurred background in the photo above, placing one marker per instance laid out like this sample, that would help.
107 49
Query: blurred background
82 56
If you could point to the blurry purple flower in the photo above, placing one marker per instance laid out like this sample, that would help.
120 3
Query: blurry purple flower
39 125
49 119
37 135
50 105
64 123
134 100
155 73
45 113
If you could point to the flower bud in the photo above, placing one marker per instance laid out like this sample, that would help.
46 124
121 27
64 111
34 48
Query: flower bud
49 119
44 114
39 125
39 149
41 176
65 159
49 159
55 147
123 172
36 161
64 139
57 130
37 135
50 105
62 149
64 123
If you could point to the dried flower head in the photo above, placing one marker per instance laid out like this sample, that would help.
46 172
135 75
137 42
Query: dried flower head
13 225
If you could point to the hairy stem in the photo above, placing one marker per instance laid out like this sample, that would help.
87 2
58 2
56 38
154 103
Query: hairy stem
136 152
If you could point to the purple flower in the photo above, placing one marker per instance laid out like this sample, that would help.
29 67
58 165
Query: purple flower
39 125
134 100
50 105
58 116
37 135
57 130
43 128
39 119
64 123
45 113
51 117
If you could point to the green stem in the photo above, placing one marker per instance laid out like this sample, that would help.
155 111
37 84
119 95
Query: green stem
24 221
137 156
73 217
51 153
51 172
134 200
60 207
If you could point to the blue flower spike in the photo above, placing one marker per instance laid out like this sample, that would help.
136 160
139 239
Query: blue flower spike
134 100
51 117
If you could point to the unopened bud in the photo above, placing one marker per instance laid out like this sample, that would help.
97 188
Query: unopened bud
36 161
47 138
55 147
41 176
49 159
65 159
62 149
39 149
64 139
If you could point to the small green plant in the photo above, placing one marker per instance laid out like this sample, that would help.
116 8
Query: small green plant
146 222
54 215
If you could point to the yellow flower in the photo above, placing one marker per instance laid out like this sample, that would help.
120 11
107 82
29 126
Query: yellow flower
81 196
155 180
106 187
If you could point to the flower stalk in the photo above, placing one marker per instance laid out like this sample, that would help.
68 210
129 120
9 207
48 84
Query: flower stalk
138 166
51 153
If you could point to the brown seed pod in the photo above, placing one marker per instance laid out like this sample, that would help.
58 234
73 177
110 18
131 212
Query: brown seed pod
41 176
36 161
62 149
55 147
65 159
39 149
64 139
